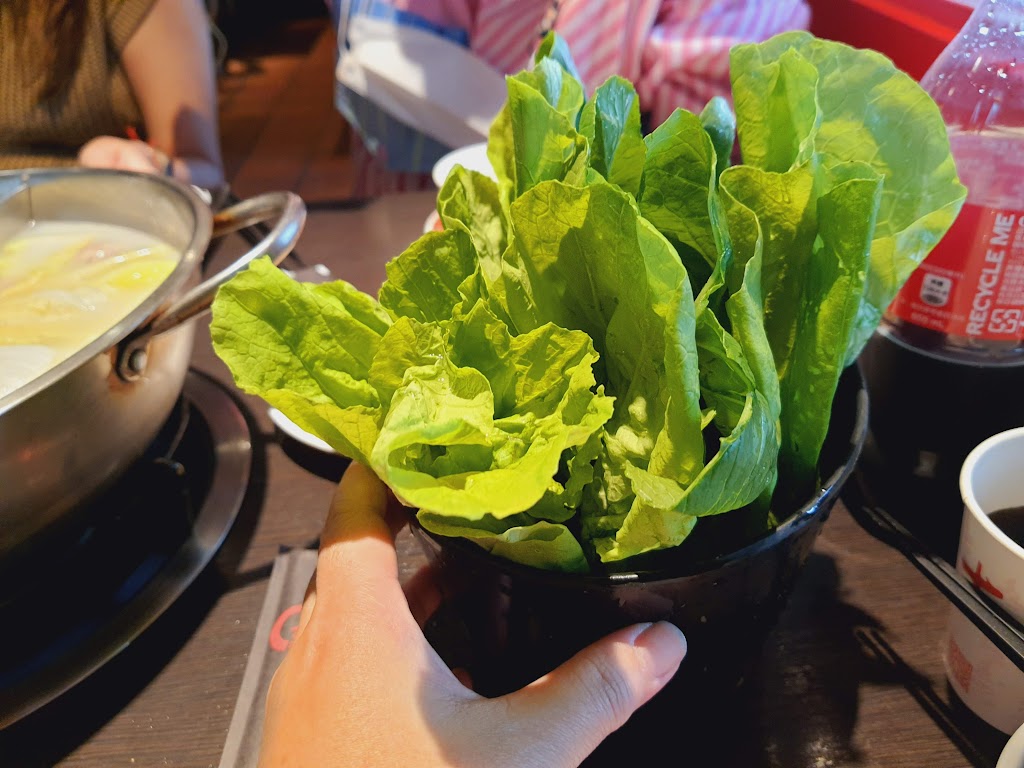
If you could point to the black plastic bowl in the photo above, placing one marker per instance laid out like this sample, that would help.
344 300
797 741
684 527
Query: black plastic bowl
508 624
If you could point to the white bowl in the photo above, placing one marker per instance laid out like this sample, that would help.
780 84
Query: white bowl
472 157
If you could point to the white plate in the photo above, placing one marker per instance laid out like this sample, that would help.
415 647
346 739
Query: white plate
430 224
297 433
472 157
1012 755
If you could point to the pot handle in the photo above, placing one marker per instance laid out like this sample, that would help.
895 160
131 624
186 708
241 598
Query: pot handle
289 211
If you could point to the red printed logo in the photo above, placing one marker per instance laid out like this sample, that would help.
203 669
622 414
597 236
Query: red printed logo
980 581
972 283
283 633
961 668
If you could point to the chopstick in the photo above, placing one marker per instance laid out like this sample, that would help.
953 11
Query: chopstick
993 622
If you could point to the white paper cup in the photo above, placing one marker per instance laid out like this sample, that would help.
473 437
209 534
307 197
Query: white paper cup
990 685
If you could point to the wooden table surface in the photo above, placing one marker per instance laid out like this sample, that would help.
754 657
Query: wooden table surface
851 676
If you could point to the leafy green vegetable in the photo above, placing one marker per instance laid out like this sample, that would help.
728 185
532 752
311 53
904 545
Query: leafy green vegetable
864 114
480 425
639 311
611 123
624 334
534 137
537 543
833 188
306 350
678 195
720 123
472 204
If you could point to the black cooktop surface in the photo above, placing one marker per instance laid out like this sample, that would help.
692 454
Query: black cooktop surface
93 589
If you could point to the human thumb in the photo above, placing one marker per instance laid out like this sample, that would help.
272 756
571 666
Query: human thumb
573 708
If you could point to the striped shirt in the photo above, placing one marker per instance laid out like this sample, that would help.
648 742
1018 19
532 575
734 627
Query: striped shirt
675 52
98 99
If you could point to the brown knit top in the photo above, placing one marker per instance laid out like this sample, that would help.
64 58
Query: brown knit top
97 102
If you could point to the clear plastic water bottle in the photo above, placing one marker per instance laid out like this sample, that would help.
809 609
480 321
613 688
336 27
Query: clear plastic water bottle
966 302
946 368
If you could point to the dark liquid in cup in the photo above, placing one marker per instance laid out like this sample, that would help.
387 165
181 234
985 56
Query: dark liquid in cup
1011 522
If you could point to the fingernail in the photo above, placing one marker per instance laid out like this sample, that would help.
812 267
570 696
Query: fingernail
665 647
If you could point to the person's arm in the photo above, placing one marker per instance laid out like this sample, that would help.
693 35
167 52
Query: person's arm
169 65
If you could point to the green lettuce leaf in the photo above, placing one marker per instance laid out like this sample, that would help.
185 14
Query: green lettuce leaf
828 312
826 242
678 185
639 311
306 350
562 500
743 469
775 213
863 111
479 429
545 143
534 137
720 123
554 47
637 308
611 124
427 280
539 544
471 201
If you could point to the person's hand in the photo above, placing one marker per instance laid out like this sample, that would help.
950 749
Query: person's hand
360 685
123 154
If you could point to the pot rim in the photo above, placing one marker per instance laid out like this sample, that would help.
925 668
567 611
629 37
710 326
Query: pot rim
823 499
161 295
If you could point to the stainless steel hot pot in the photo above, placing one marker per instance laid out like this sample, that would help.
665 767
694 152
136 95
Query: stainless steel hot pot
73 431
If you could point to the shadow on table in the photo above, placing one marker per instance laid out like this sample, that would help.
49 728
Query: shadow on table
978 742
326 465
800 707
